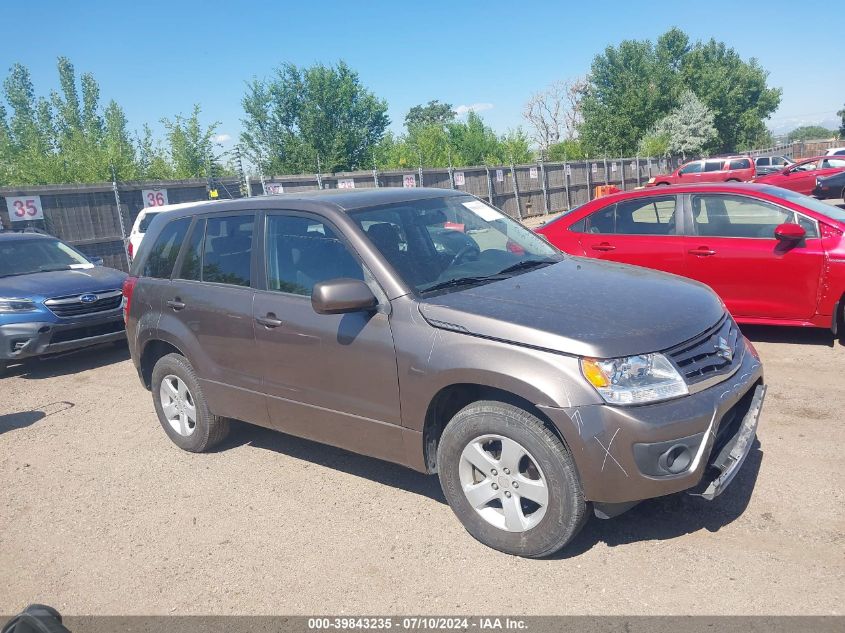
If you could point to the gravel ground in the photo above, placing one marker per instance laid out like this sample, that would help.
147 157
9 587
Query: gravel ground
101 514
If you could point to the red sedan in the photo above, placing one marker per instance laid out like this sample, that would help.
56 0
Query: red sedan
801 176
774 256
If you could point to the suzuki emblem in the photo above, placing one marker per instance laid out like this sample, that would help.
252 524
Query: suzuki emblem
723 349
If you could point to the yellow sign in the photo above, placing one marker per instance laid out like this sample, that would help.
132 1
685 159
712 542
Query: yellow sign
213 194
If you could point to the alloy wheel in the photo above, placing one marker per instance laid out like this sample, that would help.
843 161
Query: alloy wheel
178 405
503 483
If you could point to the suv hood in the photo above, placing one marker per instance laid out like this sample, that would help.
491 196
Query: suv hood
59 283
582 306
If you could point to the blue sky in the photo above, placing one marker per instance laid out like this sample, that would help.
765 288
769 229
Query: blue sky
158 59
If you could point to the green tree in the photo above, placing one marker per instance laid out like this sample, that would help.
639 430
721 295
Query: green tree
637 83
433 113
810 133
687 129
303 114
735 90
191 146
569 149
841 115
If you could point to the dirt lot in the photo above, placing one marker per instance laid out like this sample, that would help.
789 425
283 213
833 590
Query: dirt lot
101 514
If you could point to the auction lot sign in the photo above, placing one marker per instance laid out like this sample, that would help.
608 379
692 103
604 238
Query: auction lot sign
24 208
154 197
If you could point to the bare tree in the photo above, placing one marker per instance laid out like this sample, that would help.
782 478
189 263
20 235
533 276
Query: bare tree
554 113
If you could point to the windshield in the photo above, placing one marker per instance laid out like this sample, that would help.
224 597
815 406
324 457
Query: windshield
450 242
22 257
834 213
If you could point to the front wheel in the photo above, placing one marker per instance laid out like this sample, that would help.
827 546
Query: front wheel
510 480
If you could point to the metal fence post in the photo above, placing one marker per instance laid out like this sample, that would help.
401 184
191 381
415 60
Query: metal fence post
516 192
375 177
589 167
622 167
639 182
489 186
119 216
606 180
543 184
566 169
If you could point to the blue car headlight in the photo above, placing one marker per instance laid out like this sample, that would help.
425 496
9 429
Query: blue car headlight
11 305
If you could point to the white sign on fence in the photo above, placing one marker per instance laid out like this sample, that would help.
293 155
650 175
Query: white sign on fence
613 167
532 172
569 170
409 181
500 175
633 167
24 208
274 188
346 183
460 180
595 168
154 197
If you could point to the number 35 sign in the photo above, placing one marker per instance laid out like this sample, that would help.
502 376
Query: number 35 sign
25 208
154 197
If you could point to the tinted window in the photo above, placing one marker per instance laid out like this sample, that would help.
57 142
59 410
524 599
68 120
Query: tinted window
740 163
303 251
713 165
160 261
778 160
227 250
649 216
740 216
764 161
192 261
692 168
830 163
144 224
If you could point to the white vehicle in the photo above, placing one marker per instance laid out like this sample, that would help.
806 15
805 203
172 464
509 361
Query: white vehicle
835 151
139 228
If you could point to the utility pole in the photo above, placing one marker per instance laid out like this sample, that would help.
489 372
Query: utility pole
119 215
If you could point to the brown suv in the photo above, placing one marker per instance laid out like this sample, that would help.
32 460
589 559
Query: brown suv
426 328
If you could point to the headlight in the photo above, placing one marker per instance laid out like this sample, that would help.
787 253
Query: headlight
634 379
16 305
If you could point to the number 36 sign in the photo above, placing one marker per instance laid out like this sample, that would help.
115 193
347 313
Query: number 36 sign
25 208
154 197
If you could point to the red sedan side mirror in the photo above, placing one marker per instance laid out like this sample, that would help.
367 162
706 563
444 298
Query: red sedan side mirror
790 232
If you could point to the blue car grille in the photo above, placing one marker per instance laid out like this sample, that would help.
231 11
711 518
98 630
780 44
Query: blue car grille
86 303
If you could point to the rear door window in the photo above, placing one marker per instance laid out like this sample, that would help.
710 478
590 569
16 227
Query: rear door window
162 257
765 161
713 165
227 250
645 216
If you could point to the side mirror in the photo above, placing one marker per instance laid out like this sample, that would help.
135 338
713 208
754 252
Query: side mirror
339 296
97 261
790 232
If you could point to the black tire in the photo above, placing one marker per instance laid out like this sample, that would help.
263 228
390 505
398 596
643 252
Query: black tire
566 511
661 184
209 429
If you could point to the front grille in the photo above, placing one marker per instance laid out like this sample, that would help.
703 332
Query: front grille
78 333
708 354
73 305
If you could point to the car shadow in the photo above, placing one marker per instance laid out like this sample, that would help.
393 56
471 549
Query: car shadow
672 516
377 470
23 419
789 335
657 519
69 363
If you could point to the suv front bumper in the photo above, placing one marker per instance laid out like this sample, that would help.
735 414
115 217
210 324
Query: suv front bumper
40 338
621 452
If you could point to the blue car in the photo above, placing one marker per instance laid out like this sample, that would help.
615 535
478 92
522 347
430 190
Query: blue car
54 299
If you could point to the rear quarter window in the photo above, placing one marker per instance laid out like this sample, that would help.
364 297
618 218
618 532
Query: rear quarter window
162 256
740 163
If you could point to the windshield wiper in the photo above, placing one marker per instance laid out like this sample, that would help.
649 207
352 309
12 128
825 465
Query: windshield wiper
53 268
461 281
528 263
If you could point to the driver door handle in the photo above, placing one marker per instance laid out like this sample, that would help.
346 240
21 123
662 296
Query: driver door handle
269 321
702 251
176 304
604 246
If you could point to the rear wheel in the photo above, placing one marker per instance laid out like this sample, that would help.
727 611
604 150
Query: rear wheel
181 406
510 480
